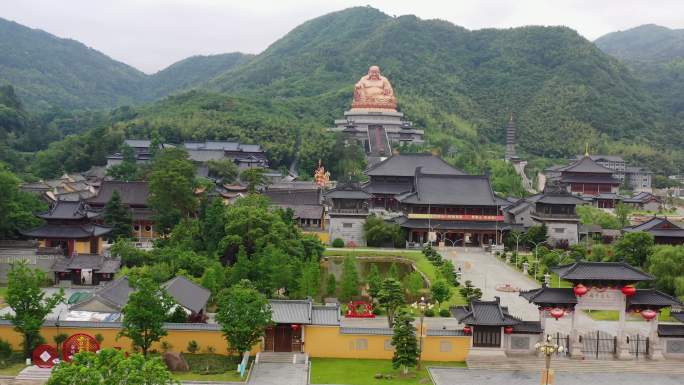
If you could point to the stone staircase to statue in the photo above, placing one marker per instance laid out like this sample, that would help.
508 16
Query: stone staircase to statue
533 364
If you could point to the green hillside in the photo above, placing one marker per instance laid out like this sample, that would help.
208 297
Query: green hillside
189 73
460 85
656 55
48 71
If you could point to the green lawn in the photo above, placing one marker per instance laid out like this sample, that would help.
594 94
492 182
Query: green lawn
12 370
612 315
422 264
362 372
215 363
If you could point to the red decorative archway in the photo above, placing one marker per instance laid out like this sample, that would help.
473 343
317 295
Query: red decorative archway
45 356
360 309
79 342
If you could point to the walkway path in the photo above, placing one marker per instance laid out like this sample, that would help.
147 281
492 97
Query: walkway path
278 374
487 272
449 376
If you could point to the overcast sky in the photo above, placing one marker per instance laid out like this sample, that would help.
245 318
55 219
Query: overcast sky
152 34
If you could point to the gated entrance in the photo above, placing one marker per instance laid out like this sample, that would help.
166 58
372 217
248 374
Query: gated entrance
487 337
598 345
561 340
638 346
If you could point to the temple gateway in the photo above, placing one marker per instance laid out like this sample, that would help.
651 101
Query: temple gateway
373 120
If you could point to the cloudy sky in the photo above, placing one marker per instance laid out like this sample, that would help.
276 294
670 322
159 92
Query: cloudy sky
152 34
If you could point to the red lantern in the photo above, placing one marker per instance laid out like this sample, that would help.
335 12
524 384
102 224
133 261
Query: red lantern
467 330
580 290
628 290
649 314
294 327
508 329
557 313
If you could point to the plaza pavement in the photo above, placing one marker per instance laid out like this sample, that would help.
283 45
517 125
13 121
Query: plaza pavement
487 272
279 374
450 376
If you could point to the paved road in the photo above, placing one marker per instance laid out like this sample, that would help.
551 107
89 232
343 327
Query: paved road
487 272
278 374
450 376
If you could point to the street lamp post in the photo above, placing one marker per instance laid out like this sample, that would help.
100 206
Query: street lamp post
548 348
421 305
536 257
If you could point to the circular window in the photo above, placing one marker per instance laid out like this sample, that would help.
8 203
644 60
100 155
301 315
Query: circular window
136 228
148 228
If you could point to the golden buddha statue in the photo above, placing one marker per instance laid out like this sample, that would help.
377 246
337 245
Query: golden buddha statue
374 91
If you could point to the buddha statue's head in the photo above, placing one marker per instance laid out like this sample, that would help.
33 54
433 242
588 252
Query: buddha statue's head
374 72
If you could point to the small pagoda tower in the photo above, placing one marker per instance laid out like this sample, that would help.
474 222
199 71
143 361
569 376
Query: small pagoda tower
510 140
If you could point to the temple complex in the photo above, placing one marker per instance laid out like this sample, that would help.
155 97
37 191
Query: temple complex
373 120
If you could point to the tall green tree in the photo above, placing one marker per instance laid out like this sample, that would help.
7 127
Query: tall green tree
310 280
379 233
666 263
374 281
172 183
243 314
634 248
17 207
393 271
536 234
622 212
405 343
391 298
118 217
223 169
413 283
441 291
127 170
30 306
254 177
349 286
212 225
111 366
331 285
145 313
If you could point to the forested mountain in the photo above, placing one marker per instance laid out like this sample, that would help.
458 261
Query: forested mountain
190 72
47 71
656 55
460 85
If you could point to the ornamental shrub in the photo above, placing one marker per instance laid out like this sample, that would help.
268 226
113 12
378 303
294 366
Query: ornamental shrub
338 242
444 313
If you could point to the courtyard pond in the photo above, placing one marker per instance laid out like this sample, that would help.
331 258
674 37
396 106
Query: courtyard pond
404 266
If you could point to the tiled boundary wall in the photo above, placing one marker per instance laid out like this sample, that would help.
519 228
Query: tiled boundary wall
319 341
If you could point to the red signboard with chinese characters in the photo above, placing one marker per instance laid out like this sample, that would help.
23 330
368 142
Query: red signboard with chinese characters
458 217
45 356
77 343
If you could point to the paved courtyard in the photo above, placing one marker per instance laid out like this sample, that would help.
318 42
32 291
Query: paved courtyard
450 376
487 272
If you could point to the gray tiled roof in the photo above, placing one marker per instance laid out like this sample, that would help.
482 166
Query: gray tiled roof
67 231
653 224
294 196
548 295
653 297
560 199
589 179
65 210
325 315
406 164
187 293
528 327
444 333
132 193
291 311
586 164
601 271
487 313
467 190
305 211
114 294
374 187
370 331
445 224
678 315
667 330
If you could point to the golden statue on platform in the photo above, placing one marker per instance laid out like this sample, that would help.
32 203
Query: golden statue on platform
374 91
321 177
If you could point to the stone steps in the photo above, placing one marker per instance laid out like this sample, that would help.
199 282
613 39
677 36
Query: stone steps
569 365
282 358
33 374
